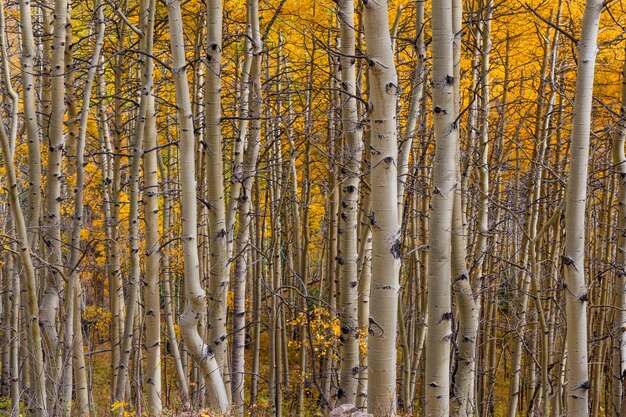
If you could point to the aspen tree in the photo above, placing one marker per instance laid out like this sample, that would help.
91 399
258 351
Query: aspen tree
11 284
73 351
574 253
151 290
383 91
6 276
183 385
351 165
194 294
415 110
543 116
116 288
244 209
147 27
619 164
30 116
468 314
219 282
240 140
37 405
49 308
468 306
439 317
14 334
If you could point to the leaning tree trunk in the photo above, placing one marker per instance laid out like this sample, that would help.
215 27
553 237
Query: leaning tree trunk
575 197
30 117
37 404
437 380
351 166
383 92
195 296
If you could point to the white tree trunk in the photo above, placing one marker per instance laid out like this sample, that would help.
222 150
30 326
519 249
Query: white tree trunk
194 293
437 379
386 242
619 162
575 197
37 406
152 290
219 276
55 174
348 218
147 25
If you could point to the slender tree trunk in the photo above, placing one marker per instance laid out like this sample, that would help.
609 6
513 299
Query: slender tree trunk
348 224
183 385
574 254
218 243
619 163
147 27
38 404
244 209
151 290
437 377
55 173
194 294
30 118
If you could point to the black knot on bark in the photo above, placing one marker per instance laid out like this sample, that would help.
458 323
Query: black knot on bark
395 249
584 298
391 88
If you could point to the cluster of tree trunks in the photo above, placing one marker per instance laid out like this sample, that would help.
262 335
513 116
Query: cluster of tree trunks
387 224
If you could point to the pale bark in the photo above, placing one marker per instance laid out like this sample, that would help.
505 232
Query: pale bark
386 243
30 116
236 177
37 405
71 348
147 24
619 163
183 385
575 196
415 110
151 290
55 175
348 231
194 294
219 276
437 379
244 208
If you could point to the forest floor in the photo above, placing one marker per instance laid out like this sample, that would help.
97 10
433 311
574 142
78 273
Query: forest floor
99 364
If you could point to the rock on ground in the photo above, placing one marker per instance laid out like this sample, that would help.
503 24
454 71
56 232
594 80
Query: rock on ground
348 410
